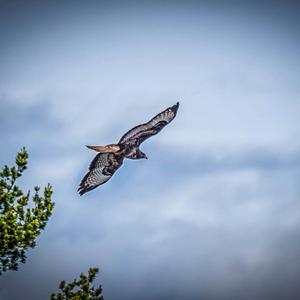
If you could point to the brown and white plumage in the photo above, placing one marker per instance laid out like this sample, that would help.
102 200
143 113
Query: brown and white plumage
111 157
101 169
142 132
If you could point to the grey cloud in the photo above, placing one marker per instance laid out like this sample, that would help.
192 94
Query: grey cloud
190 250
214 212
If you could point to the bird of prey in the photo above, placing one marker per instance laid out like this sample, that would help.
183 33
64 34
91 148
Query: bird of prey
110 157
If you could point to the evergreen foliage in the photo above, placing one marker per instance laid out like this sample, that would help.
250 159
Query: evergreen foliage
21 220
80 289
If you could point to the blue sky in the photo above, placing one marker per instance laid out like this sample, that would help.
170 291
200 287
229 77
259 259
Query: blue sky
214 212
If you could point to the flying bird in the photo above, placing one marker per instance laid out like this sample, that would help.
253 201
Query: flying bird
110 157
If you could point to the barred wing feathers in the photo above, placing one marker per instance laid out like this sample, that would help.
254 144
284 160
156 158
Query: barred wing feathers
101 169
141 132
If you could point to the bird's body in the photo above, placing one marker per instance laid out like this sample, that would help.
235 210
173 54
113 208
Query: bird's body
111 157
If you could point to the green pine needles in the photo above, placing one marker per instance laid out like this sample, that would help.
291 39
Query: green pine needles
21 220
80 289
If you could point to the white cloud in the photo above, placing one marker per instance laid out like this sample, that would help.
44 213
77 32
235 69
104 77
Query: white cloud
221 187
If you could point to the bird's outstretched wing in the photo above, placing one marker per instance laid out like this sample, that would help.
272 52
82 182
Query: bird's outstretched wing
139 133
101 169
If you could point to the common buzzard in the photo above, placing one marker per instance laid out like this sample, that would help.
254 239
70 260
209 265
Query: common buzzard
111 157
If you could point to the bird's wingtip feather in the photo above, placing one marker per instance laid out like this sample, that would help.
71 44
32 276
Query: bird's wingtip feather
175 107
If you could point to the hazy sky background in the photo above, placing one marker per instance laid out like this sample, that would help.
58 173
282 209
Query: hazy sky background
214 212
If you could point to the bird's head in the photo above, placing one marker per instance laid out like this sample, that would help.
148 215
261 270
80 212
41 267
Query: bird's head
141 155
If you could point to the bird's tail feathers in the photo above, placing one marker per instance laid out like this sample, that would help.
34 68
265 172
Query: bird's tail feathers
107 148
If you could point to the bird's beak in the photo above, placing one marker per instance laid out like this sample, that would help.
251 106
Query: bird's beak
146 157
